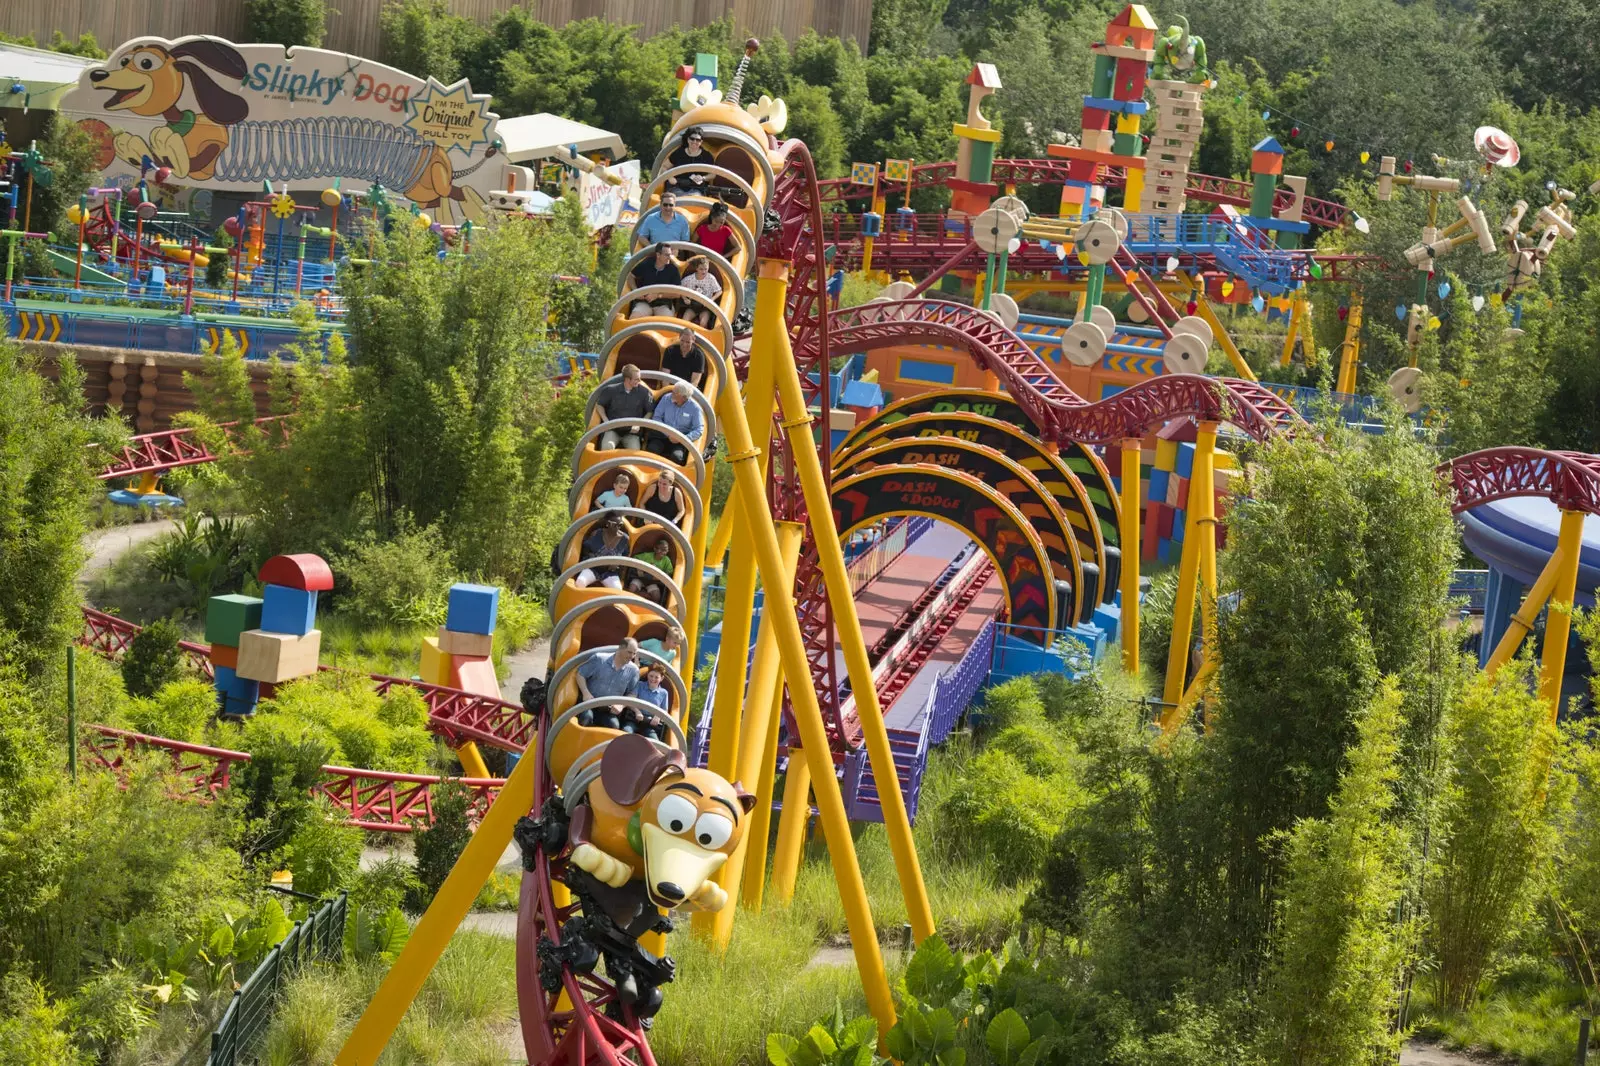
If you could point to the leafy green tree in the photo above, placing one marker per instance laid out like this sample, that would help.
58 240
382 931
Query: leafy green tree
905 27
85 46
292 23
425 38
153 659
1333 982
1543 46
48 461
1045 68
1491 390
70 155
1497 826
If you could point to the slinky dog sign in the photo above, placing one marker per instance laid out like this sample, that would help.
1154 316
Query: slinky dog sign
206 112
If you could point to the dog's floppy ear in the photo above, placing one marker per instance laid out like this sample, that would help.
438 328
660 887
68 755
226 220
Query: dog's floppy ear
746 798
631 766
221 106
220 57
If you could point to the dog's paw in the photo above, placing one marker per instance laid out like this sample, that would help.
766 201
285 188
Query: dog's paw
167 146
613 872
710 897
130 148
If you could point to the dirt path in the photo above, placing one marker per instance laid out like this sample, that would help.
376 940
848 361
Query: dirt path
106 546
1421 1053
529 662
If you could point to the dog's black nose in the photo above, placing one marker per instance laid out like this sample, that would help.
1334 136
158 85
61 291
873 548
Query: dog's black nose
669 891
99 75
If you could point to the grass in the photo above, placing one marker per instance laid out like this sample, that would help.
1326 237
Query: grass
1529 1013
130 589
462 1017
368 649
723 1005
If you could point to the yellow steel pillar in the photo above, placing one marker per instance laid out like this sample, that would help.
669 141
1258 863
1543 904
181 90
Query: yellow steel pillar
760 827
454 899
1219 333
765 681
1130 555
1188 574
847 627
1350 349
724 532
738 605
1558 623
807 711
1521 623
1296 322
472 764
792 822
693 596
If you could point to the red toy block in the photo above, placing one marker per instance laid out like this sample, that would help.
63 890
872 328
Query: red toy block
1095 118
1164 516
223 655
306 572
1182 502
1149 538
475 674
1130 79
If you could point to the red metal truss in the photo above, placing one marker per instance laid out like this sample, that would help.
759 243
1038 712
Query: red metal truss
396 803
375 800
152 453
1570 480
109 636
204 770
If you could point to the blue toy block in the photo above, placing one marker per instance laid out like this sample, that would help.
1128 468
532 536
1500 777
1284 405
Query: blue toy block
1179 520
472 609
245 690
1158 485
287 610
223 678
1185 465
1164 550
1109 618
233 707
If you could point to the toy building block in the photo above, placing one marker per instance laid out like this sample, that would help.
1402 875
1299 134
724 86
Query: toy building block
288 610
1185 462
455 642
276 657
224 655
229 616
223 677
306 572
472 608
435 668
1096 140
1128 123
1132 28
471 673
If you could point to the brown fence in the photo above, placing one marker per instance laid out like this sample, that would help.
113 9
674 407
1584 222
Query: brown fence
355 28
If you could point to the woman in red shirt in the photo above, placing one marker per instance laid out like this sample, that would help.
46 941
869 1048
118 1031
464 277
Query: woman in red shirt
715 233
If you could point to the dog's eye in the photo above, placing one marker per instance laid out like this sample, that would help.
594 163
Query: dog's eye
712 831
147 62
126 60
675 815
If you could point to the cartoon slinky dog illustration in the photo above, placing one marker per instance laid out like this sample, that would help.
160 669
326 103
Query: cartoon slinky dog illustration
149 80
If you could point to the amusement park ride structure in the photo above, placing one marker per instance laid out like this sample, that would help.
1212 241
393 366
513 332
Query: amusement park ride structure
602 815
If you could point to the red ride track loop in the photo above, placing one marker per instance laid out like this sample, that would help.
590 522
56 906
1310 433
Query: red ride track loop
1570 480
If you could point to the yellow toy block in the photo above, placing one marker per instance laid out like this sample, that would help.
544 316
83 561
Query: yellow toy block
1128 123
278 657
1166 455
435 669
454 643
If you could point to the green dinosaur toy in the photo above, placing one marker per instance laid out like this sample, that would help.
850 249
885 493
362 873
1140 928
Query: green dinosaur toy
1180 55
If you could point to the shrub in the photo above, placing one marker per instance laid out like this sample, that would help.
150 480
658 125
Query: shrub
401 581
153 659
286 760
293 23
1014 701
33 1028
520 619
1003 814
440 845
181 711
324 854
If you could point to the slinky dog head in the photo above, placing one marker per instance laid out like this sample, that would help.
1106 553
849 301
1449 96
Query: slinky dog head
686 821
149 79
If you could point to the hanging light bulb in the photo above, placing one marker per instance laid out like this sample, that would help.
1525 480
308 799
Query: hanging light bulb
1477 303
1366 157
1408 166
1327 145
1265 115
1172 264
1344 312
1444 289
1258 303
1294 131
1191 307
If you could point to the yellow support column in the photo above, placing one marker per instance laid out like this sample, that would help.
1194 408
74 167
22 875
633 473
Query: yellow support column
472 764
760 827
807 711
1188 574
1558 623
454 899
792 821
1130 556
847 627
765 682
738 605
693 596
1219 333
1521 623
724 533
1350 349
1296 320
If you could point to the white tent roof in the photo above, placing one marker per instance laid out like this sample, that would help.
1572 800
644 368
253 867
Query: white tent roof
530 137
44 74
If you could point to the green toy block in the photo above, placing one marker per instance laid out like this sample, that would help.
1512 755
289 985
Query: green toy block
1127 144
1104 74
228 616
705 66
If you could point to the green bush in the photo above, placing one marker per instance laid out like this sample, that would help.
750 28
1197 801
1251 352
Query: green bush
440 845
292 23
324 853
1014 701
400 581
181 711
1003 814
352 722
153 659
286 760
33 1028
203 557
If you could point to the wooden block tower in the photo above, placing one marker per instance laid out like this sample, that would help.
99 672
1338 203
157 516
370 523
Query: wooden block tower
1179 118
266 641
1112 113
973 187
